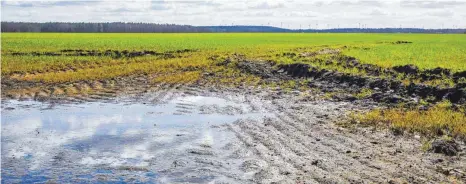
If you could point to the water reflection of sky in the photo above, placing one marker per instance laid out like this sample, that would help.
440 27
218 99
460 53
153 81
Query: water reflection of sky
84 140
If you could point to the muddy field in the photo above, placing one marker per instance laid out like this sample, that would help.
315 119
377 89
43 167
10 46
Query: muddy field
191 134
196 116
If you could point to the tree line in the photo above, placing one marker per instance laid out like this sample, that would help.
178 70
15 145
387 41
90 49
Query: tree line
332 30
108 27
122 27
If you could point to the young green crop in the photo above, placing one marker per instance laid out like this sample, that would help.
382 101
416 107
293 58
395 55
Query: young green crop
425 51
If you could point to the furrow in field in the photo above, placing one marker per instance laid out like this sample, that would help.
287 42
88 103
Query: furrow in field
294 153
172 93
294 131
275 165
339 160
336 154
162 93
319 153
98 97
298 157
218 166
192 90
374 152
106 93
143 95
85 98
375 156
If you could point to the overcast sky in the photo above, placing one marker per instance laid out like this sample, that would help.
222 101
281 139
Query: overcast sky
280 13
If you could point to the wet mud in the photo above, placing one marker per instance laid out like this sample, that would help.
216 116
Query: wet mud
187 134
387 87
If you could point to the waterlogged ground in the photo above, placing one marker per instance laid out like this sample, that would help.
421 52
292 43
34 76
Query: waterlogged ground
117 142
181 134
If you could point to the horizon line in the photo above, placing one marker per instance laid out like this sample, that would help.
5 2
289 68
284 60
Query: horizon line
239 25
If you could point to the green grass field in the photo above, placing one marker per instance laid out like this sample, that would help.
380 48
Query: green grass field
426 50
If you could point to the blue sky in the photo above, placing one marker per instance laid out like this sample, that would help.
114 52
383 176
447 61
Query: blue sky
281 13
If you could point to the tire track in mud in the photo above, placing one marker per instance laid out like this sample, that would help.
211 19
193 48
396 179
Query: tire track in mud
323 150
379 150
340 142
278 158
299 148
144 96
274 165
301 161
217 164
161 93
184 106
206 162
191 90
68 93
342 151
338 148
96 91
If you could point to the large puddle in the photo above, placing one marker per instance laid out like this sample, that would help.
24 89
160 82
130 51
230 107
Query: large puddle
112 142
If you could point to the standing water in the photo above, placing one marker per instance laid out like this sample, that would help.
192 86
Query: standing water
114 142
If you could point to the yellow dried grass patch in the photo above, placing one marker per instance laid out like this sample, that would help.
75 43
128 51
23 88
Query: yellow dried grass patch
438 120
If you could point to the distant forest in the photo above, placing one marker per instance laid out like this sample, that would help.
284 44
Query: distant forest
111 27
122 27
335 30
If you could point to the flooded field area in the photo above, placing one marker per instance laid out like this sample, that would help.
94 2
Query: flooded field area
117 142
181 134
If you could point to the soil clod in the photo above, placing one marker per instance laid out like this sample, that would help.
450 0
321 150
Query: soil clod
447 147
406 69
402 42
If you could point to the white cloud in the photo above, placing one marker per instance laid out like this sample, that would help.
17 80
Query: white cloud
268 5
332 13
366 3
441 13
432 4
378 12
